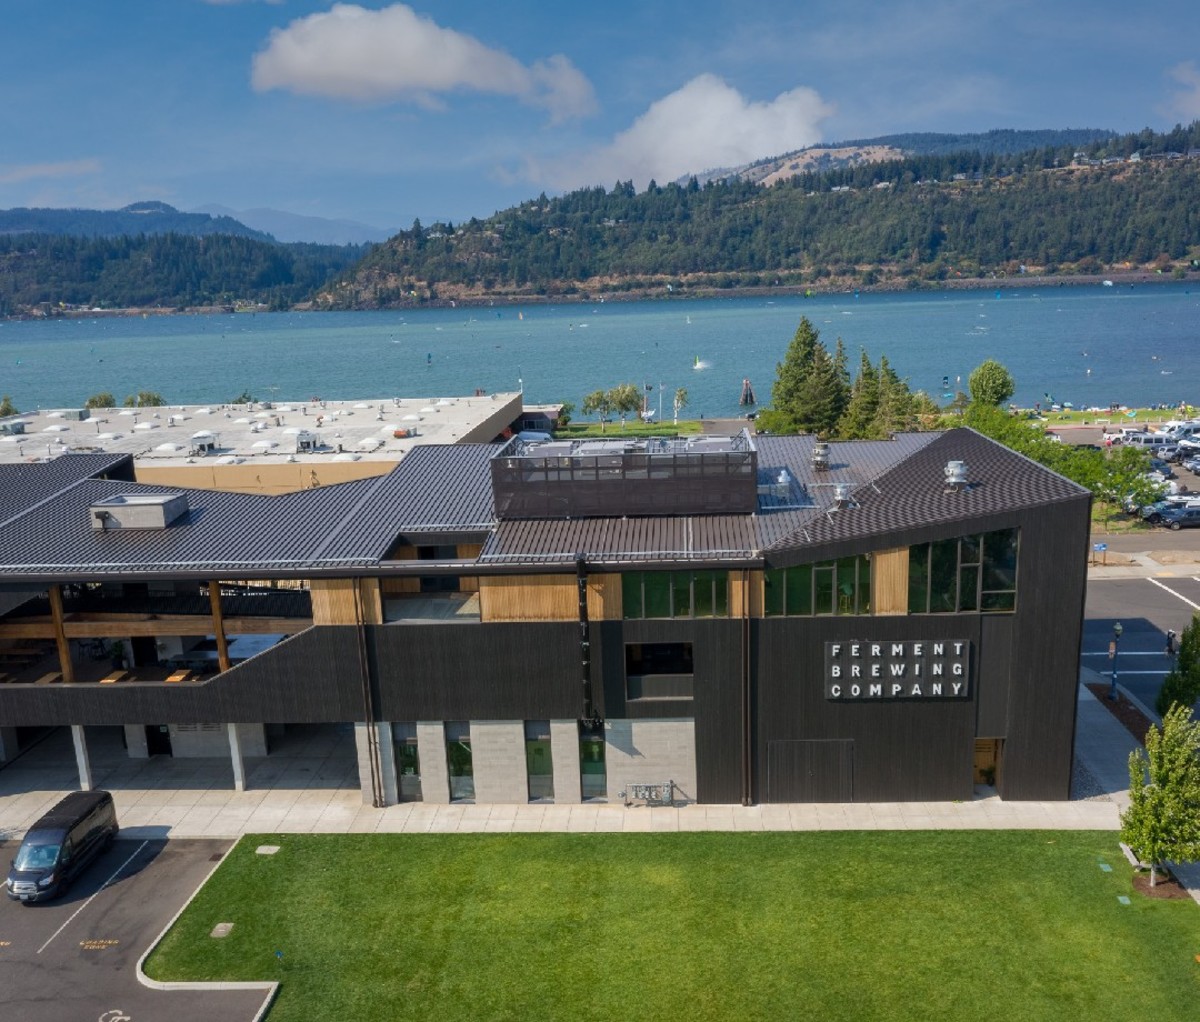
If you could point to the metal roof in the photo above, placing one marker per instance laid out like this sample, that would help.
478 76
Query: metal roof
896 486
913 494
540 541
24 485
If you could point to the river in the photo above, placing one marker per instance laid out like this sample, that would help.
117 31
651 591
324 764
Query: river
1087 345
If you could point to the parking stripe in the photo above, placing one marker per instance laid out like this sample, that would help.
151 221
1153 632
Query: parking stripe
1194 606
89 901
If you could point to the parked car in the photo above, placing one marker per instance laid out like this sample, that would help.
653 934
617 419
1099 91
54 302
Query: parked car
1191 462
60 845
1119 435
1190 445
1180 518
1160 446
1161 467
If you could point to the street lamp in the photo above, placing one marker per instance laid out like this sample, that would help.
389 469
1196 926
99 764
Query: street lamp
1112 655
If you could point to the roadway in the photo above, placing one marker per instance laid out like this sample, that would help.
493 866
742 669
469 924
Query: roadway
1146 608
74 959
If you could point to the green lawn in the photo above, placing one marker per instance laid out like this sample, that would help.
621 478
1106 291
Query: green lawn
860 926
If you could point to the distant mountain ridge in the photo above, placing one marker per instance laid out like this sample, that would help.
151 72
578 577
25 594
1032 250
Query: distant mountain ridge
297 227
856 152
132 220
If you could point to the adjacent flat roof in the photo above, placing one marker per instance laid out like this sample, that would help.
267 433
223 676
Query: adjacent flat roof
362 429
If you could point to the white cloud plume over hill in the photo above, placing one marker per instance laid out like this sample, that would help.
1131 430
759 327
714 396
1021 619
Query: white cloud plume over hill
352 53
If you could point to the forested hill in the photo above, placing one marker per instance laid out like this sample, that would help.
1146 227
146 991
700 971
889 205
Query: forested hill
51 274
138 218
855 152
1129 202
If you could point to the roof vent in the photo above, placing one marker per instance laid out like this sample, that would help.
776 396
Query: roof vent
820 455
137 511
956 476
841 496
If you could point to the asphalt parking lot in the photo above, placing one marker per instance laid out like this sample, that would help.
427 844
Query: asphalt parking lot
74 959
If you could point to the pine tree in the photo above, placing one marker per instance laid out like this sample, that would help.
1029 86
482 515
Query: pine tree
894 412
858 420
790 393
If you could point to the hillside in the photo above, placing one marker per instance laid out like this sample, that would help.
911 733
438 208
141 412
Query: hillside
47 274
1127 203
855 153
132 220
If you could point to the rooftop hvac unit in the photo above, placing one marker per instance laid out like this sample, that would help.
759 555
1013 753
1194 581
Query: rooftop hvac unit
956 476
820 455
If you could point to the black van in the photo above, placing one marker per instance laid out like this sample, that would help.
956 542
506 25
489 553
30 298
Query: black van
60 845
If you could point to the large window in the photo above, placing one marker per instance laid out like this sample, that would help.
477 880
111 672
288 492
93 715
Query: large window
675 594
827 587
592 774
539 766
658 670
459 761
408 762
962 575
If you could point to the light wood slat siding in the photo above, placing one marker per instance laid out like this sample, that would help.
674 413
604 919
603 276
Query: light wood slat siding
605 602
547 598
333 601
528 598
469 552
889 582
757 597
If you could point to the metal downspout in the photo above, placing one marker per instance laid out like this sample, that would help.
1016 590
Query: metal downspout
747 721
588 713
364 673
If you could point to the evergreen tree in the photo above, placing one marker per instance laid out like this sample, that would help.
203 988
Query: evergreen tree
822 396
894 413
858 420
789 393
1162 822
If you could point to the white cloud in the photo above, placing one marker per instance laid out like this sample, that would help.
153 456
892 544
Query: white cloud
44 171
704 125
351 53
1185 104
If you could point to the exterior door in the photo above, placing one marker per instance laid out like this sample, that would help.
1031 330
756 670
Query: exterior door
810 771
158 740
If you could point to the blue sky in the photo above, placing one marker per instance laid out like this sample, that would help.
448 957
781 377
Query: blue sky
382 112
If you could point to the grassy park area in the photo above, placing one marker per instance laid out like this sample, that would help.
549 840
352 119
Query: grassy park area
832 925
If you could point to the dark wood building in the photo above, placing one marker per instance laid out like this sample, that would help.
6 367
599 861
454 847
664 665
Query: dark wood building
713 619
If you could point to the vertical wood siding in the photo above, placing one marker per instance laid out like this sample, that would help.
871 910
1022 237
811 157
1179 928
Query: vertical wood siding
529 598
889 582
333 601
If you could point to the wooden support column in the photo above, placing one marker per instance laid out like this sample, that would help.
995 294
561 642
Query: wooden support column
214 601
60 636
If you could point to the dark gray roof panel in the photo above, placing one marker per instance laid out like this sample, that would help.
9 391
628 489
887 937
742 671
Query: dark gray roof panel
220 532
712 537
913 494
897 487
23 486
436 488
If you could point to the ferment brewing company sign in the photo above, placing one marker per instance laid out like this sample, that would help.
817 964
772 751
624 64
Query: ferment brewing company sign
938 669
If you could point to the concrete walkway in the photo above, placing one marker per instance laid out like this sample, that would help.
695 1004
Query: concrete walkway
311 787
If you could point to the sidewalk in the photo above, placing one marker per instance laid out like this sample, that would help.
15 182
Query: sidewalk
315 790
